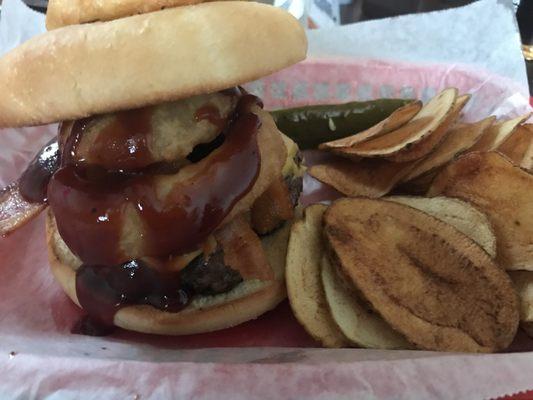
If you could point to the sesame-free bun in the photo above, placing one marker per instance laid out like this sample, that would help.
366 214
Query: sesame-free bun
246 301
81 70
71 12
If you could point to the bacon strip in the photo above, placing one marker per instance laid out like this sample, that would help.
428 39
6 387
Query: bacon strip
243 250
16 212
272 208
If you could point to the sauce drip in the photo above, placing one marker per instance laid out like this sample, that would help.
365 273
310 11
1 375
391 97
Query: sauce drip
33 182
121 145
91 205
103 290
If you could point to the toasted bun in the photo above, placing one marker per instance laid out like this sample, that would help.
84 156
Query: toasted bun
205 314
81 70
71 12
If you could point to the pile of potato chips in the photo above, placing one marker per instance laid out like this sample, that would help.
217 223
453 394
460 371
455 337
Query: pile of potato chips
448 267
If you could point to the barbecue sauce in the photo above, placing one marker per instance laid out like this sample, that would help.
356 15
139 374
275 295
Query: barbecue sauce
91 205
103 290
33 182
90 209
121 145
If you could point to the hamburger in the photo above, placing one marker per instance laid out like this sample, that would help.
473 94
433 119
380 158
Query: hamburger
169 190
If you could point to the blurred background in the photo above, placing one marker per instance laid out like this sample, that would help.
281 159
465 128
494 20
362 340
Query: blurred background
331 12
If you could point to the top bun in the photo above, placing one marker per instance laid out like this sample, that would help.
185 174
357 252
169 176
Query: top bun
82 70
72 12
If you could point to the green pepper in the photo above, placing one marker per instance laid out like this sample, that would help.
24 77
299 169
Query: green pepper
311 125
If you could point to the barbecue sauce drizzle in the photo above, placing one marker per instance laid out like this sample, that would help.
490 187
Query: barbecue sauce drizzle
122 145
90 205
103 290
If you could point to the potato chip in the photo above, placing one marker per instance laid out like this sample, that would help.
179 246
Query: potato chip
355 319
394 121
527 161
502 191
517 145
304 283
459 214
429 281
425 123
460 138
435 139
367 177
498 134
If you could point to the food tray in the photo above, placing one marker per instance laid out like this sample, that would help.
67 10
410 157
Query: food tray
271 357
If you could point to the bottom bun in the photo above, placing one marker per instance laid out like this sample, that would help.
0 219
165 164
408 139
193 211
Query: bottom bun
245 302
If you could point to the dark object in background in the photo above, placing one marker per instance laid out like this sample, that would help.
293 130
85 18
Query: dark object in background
363 10
524 16
37 5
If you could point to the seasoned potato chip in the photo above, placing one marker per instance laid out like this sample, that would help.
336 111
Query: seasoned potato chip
394 121
514 150
425 278
523 281
460 138
459 214
367 177
527 161
503 192
425 123
355 319
435 139
304 284
517 145
498 134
